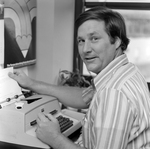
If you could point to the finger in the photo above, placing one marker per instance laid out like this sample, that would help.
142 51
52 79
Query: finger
42 117
38 121
41 124
51 117
13 75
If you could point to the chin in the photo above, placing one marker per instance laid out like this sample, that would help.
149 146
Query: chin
92 70
93 67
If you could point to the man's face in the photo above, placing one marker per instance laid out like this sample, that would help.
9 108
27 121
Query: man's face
94 45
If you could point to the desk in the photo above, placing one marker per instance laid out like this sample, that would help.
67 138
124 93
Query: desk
5 145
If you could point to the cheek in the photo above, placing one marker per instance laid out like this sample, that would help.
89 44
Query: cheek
104 50
100 51
104 53
80 52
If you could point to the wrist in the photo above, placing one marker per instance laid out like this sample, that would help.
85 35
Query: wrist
30 85
57 141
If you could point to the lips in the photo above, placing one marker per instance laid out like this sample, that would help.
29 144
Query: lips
90 58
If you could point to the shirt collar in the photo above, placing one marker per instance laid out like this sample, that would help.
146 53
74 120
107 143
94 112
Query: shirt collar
109 70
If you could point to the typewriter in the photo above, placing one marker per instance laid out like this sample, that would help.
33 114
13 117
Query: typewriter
18 120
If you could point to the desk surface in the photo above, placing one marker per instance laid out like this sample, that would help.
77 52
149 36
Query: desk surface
5 145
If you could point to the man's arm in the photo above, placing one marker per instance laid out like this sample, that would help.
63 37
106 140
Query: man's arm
69 96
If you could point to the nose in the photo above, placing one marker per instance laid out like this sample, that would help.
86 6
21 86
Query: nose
87 47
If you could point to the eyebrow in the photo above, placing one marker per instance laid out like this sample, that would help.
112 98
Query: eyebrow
90 34
93 33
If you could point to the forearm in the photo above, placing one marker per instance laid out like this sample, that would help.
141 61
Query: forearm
64 143
69 96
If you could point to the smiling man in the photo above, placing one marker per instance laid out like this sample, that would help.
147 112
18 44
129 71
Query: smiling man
95 47
119 104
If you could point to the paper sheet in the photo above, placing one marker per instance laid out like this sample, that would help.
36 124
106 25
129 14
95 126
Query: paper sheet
8 87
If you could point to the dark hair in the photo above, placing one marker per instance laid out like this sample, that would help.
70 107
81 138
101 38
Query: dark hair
114 23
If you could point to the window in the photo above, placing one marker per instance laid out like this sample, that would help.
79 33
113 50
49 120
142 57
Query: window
138 31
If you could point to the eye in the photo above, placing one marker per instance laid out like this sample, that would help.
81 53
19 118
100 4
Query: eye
94 39
80 41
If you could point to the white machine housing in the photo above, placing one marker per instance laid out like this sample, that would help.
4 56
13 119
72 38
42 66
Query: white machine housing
16 123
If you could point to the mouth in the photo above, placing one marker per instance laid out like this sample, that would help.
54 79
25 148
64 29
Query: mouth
89 59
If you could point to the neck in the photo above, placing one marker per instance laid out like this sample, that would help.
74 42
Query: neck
118 52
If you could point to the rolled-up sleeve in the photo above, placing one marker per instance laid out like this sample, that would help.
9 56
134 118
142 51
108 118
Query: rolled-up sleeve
87 94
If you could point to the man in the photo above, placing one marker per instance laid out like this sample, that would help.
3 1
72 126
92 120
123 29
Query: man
119 113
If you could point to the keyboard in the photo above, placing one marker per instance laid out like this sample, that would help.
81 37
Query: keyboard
68 124
64 122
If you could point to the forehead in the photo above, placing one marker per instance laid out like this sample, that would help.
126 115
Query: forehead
91 27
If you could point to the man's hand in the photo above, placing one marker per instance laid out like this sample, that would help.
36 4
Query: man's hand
48 129
22 79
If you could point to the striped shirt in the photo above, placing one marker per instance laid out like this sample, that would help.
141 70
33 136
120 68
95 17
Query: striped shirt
119 113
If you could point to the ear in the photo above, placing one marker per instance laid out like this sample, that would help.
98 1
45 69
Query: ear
117 42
